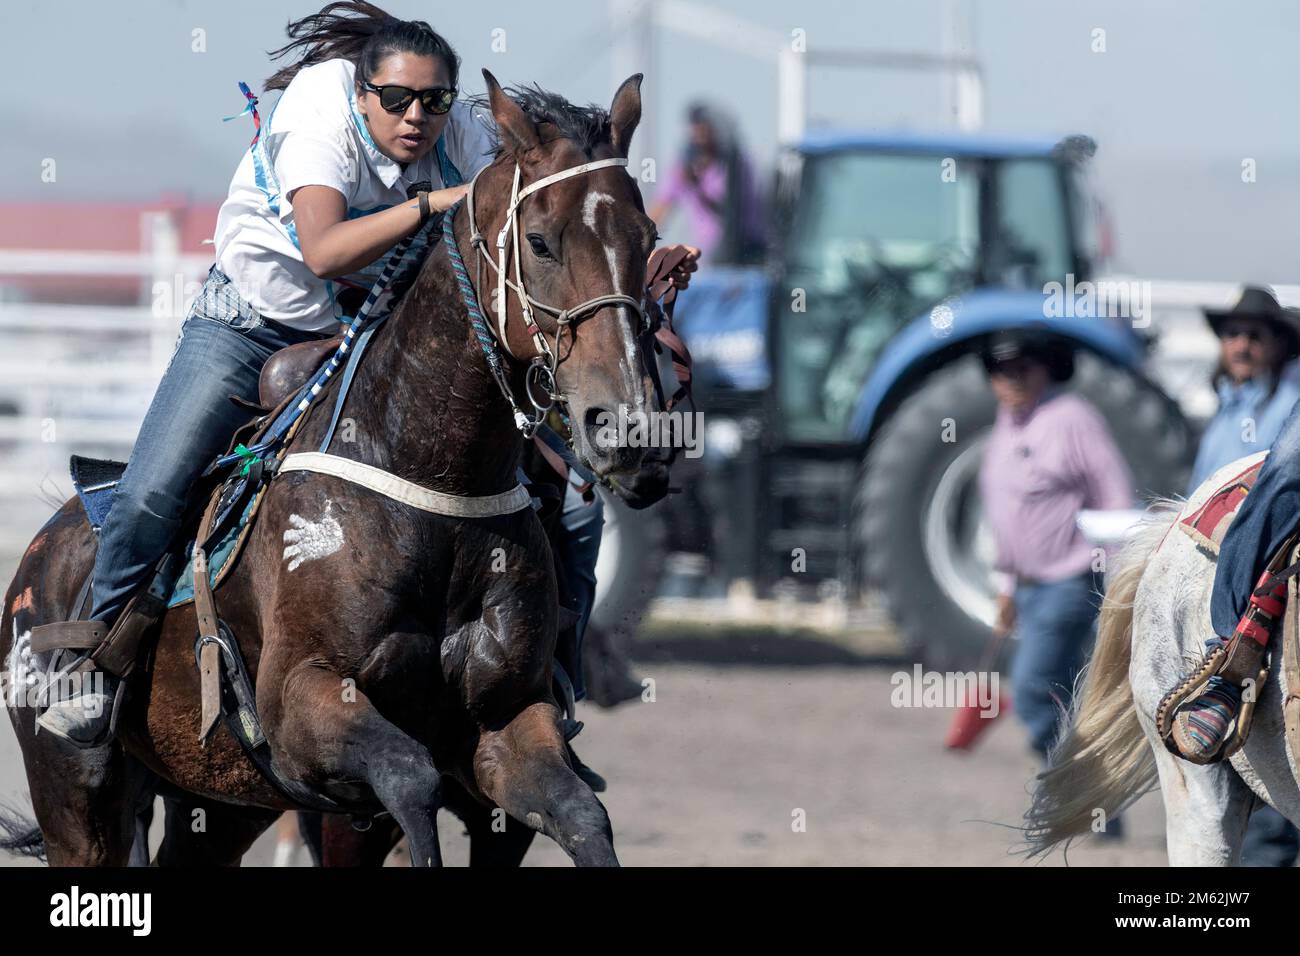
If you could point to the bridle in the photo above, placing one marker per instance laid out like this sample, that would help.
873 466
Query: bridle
541 373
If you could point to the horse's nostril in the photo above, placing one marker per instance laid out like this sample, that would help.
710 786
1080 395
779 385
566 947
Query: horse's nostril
601 430
612 441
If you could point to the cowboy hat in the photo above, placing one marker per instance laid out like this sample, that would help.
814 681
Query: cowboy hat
1258 302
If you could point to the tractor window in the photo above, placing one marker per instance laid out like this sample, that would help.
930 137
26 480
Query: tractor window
861 212
875 241
1030 242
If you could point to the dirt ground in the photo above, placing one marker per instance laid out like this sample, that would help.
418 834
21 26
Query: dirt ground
713 771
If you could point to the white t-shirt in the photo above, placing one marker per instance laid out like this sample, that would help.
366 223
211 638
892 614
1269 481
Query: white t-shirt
314 135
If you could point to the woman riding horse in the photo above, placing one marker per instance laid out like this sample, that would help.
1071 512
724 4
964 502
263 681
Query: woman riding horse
369 117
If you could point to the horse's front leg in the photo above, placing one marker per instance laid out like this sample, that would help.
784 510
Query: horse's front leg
521 762
524 769
327 734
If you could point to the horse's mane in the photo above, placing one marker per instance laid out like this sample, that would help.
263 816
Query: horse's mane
587 126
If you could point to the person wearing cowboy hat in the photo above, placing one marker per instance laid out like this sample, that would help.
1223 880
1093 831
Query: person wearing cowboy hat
1258 338
1049 455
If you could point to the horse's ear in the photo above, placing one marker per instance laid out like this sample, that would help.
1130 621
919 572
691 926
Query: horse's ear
518 134
625 113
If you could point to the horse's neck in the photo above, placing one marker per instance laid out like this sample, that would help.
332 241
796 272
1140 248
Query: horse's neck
426 405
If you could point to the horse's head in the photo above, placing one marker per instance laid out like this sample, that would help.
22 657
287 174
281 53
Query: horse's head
576 245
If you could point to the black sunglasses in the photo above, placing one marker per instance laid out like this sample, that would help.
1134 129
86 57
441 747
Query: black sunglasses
1251 332
397 99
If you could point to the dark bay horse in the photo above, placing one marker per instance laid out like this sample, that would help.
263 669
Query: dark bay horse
400 663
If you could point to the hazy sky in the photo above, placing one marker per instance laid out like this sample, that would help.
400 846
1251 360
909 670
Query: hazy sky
1182 94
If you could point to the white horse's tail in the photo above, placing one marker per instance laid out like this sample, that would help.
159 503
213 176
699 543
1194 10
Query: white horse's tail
1104 761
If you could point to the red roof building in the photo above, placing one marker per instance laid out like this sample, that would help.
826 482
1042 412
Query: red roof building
29 228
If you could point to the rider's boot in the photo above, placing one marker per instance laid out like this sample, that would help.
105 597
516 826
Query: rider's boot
84 694
83 716
1201 725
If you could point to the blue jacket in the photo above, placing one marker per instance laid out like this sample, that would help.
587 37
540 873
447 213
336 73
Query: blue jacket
1226 437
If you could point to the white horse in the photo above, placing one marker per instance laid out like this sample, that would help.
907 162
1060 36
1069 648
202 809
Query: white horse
1151 633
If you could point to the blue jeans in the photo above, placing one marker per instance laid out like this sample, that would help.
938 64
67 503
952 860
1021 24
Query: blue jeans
222 347
1268 516
1054 627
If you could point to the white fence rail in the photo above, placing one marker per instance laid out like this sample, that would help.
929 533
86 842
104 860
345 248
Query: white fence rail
79 378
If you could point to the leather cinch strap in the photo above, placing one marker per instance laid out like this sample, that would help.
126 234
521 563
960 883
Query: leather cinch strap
407 492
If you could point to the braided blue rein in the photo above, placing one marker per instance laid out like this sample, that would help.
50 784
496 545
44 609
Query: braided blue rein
486 341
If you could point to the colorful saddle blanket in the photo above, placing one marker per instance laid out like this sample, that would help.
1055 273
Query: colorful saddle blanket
1211 509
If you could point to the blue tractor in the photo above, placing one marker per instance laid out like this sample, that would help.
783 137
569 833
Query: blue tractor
845 406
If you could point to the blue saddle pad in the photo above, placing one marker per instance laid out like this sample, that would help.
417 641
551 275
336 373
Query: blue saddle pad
95 480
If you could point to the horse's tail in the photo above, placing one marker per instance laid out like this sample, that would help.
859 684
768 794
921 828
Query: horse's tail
1104 761
20 835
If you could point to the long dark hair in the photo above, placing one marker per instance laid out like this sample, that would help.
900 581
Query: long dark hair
360 32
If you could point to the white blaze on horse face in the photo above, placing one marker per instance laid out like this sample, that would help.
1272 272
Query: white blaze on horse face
312 540
594 199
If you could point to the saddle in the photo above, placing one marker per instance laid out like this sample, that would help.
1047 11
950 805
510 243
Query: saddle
1206 519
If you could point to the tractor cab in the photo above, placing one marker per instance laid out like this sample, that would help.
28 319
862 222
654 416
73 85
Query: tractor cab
882 229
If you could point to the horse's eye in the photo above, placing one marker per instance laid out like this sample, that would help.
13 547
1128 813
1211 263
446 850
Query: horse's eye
539 246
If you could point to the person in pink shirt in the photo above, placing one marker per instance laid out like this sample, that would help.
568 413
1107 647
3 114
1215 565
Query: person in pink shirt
714 186
1050 454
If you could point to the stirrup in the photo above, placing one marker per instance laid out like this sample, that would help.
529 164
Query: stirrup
565 685
1193 686
1239 660
111 650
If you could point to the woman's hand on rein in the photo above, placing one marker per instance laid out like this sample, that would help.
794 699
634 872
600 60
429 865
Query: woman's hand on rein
680 277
